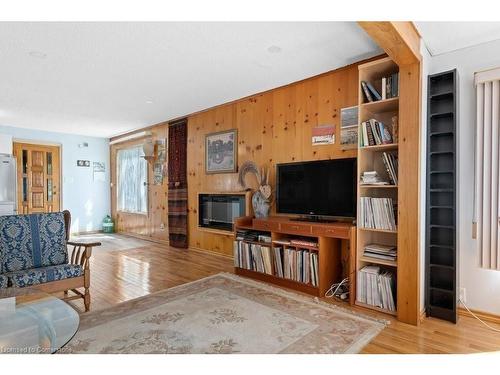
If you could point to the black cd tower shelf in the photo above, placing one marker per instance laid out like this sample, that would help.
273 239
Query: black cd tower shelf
441 250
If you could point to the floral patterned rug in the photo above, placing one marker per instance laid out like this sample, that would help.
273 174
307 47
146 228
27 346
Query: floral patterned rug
224 313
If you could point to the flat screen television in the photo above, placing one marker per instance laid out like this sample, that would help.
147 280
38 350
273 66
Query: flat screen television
325 188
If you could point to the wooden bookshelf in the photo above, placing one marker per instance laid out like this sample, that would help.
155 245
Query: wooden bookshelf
336 245
370 159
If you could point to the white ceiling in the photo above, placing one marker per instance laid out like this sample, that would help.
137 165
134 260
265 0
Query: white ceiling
104 79
443 37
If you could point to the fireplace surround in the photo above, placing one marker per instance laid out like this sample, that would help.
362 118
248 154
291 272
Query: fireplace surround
217 211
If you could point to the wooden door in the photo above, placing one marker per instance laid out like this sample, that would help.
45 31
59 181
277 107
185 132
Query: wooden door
38 178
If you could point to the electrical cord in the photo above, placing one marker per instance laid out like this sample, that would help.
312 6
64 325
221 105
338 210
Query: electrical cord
335 287
475 316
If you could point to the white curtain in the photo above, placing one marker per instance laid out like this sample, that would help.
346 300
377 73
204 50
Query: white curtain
132 172
487 174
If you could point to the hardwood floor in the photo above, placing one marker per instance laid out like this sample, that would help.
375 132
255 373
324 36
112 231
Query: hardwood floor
120 273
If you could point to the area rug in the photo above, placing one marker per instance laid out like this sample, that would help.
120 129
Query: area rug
224 313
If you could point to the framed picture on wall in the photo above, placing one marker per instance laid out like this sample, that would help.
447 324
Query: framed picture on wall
349 127
221 155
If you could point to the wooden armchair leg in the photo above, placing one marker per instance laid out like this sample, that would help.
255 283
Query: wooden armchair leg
86 284
86 299
81 255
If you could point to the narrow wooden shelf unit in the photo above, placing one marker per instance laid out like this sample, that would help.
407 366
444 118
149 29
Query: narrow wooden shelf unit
370 159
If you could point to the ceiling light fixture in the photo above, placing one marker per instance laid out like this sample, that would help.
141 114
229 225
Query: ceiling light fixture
274 49
149 102
37 54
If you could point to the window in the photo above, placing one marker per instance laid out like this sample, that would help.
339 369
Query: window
132 172
487 178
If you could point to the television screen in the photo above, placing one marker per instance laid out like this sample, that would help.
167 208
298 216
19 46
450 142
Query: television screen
322 188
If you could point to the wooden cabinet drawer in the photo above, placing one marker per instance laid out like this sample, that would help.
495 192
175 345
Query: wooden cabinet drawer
266 225
330 232
296 228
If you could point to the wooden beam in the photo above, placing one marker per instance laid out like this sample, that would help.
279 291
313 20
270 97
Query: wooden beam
400 40
409 194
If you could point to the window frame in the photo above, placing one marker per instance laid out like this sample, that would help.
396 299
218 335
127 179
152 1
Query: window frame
117 168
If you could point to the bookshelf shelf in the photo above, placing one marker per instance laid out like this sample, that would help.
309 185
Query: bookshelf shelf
366 306
365 186
378 230
374 158
392 146
387 105
441 94
281 281
383 262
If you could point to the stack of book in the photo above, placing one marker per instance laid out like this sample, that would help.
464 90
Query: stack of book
376 287
252 235
380 252
377 213
264 238
253 257
297 265
372 178
389 88
390 160
373 133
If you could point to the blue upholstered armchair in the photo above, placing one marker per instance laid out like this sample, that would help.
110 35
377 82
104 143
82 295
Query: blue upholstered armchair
33 253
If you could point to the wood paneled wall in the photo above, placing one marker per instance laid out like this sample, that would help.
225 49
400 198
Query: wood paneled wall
273 127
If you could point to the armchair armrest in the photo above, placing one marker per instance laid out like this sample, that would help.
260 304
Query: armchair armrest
84 244
81 252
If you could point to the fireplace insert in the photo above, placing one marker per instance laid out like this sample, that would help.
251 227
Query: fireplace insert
218 211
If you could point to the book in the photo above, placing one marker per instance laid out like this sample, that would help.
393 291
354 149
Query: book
395 85
391 165
298 242
282 242
385 134
371 137
378 251
375 131
375 94
384 88
394 125
368 96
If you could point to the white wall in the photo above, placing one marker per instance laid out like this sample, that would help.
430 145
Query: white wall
482 286
86 199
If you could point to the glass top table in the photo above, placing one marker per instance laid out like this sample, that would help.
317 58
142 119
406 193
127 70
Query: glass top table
34 322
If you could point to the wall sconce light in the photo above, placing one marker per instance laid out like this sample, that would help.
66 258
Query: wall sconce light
149 151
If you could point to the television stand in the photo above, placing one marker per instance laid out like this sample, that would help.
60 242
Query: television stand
336 244
313 219
319 219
